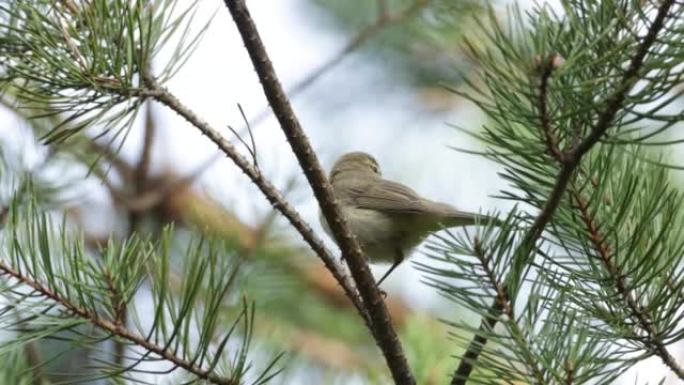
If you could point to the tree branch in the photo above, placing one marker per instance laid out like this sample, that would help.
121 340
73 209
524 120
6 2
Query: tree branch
643 318
546 67
116 329
570 160
275 197
465 367
503 305
382 329
628 80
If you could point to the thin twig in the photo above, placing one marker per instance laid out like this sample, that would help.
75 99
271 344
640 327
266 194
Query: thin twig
251 149
506 306
143 167
116 329
571 159
546 67
382 328
628 80
272 194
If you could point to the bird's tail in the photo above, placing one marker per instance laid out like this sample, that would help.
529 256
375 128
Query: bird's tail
453 217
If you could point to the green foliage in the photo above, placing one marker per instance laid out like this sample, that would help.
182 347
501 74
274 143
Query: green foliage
54 284
597 291
85 61
14 368
602 288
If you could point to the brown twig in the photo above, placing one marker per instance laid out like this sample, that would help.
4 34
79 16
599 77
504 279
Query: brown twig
630 77
570 160
251 147
381 323
140 185
116 329
569 373
116 300
504 305
466 366
643 318
143 167
383 20
272 194
546 67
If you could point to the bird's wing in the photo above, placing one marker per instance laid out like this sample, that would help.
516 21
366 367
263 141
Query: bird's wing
388 196
395 198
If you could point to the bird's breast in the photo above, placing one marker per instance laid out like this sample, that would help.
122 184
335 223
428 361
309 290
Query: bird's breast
380 235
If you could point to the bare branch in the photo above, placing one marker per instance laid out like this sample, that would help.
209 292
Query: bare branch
271 193
253 150
382 329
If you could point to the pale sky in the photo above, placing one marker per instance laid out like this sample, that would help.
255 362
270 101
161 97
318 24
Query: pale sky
367 111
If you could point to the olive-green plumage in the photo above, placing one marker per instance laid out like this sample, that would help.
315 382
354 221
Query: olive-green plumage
388 218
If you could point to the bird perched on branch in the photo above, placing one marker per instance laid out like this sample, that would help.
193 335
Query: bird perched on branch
388 218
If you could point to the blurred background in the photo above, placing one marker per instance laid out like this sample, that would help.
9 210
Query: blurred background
362 75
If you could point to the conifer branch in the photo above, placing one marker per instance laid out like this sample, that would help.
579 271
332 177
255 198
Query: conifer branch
546 67
504 303
605 252
569 161
115 329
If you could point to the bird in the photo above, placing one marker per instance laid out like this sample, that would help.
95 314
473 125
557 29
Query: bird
388 218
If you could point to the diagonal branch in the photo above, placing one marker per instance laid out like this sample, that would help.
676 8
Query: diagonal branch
467 363
617 277
502 305
116 329
382 328
570 160
272 194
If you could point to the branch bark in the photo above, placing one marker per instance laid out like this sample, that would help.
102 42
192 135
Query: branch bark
381 323
569 160
272 194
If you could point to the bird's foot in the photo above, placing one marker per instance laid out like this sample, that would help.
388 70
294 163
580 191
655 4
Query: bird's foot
383 293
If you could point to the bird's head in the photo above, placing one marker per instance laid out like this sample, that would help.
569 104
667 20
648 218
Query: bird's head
355 163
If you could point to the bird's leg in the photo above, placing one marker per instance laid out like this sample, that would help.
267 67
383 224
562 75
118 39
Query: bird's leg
399 258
